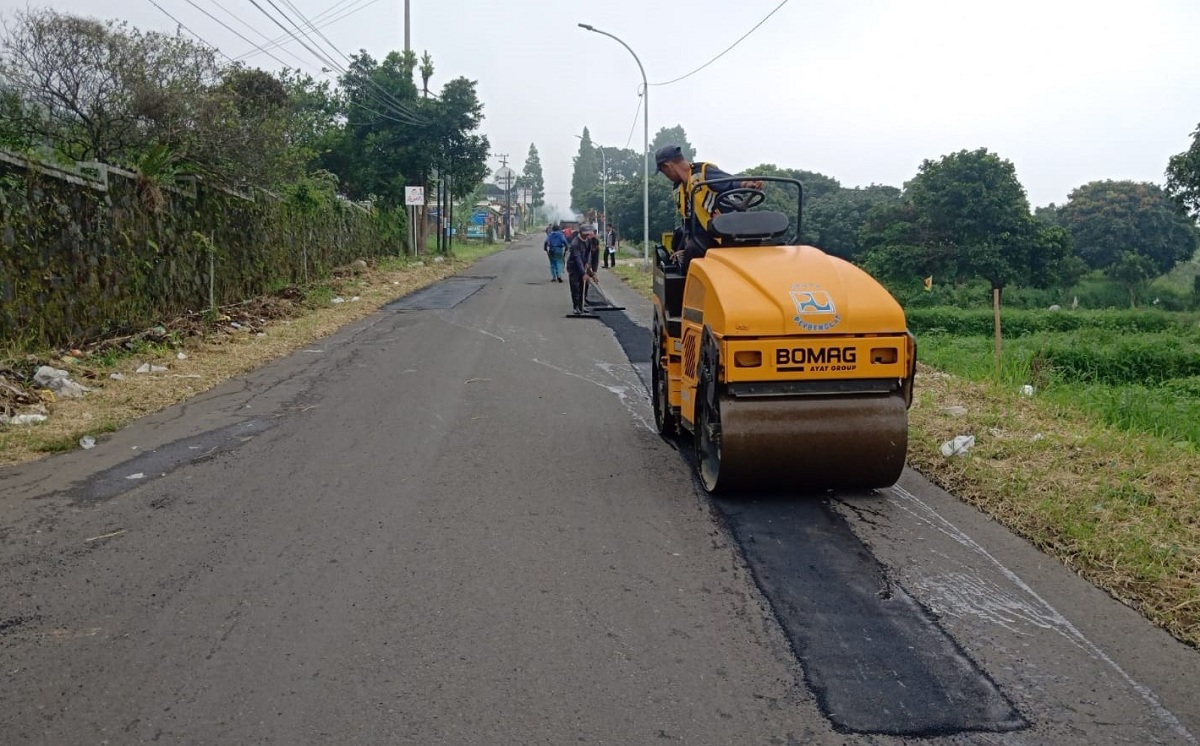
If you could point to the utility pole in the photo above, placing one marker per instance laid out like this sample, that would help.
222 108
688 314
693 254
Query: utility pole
407 36
507 198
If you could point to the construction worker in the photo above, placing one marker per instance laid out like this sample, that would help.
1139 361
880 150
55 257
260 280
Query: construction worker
579 264
696 211
556 246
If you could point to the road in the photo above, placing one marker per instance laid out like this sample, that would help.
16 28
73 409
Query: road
452 523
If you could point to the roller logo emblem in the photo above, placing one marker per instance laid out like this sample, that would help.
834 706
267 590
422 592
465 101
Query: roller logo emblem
815 309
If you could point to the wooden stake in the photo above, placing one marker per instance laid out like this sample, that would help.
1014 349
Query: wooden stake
996 314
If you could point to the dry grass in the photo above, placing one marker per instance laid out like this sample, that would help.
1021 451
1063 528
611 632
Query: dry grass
1118 508
214 357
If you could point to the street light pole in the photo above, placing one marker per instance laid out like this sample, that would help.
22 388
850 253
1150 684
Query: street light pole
645 143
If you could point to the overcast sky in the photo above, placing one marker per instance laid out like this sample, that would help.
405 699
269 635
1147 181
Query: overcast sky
1070 91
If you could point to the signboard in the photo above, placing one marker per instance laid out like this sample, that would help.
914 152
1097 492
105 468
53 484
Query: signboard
414 196
503 174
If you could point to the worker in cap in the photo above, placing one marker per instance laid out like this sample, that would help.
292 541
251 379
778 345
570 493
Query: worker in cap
696 210
579 264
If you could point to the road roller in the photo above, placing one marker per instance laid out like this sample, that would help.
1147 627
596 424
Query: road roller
788 368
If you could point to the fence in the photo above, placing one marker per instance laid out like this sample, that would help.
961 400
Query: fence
94 249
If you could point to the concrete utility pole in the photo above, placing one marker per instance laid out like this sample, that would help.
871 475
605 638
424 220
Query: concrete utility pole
407 25
507 198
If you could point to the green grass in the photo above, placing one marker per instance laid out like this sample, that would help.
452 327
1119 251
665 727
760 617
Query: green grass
1135 381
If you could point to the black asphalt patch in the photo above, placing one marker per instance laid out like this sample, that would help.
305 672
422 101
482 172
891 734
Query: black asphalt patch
446 294
876 660
152 464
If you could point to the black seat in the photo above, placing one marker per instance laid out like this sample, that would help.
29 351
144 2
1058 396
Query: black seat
750 228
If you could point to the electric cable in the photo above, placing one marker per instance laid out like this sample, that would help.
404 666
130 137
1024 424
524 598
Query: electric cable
727 49
634 125
180 23
409 117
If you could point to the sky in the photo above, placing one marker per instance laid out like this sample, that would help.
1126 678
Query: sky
1070 91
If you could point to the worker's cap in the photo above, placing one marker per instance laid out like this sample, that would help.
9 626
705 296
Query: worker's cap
666 154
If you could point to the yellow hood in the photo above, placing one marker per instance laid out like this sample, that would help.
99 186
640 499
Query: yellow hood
788 290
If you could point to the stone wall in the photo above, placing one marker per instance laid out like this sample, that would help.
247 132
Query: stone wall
95 250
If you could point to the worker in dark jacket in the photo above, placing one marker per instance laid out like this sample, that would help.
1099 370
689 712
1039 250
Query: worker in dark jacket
579 264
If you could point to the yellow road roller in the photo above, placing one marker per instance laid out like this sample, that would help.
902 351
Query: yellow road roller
789 368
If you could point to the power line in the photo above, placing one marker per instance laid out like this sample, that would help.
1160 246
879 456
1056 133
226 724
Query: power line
253 28
410 117
323 18
635 118
378 102
399 109
407 108
230 28
180 23
727 49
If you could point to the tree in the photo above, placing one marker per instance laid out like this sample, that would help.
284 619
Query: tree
971 202
625 207
966 215
586 174
1183 176
623 164
782 197
103 91
426 72
673 136
532 178
1132 271
833 220
1108 219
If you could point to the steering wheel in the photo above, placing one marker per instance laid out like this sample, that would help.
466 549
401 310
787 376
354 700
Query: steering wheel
740 199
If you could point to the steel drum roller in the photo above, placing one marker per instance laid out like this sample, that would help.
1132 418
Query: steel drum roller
805 443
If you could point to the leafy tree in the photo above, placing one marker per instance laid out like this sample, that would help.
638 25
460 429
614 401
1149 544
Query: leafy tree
1183 176
833 220
623 164
1132 271
966 215
625 207
426 72
314 124
586 173
782 197
971 202
673 136
12 113
102 91
456 118
1108 219
1050 214
532 177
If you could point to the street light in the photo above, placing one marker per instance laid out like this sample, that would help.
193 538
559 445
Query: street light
645 144
603 190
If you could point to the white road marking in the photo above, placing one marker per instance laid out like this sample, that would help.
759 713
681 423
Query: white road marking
1052 619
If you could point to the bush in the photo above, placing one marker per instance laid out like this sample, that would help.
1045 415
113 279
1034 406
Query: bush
1117 358
1020 322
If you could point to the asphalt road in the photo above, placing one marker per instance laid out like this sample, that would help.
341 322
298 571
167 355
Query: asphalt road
452 523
